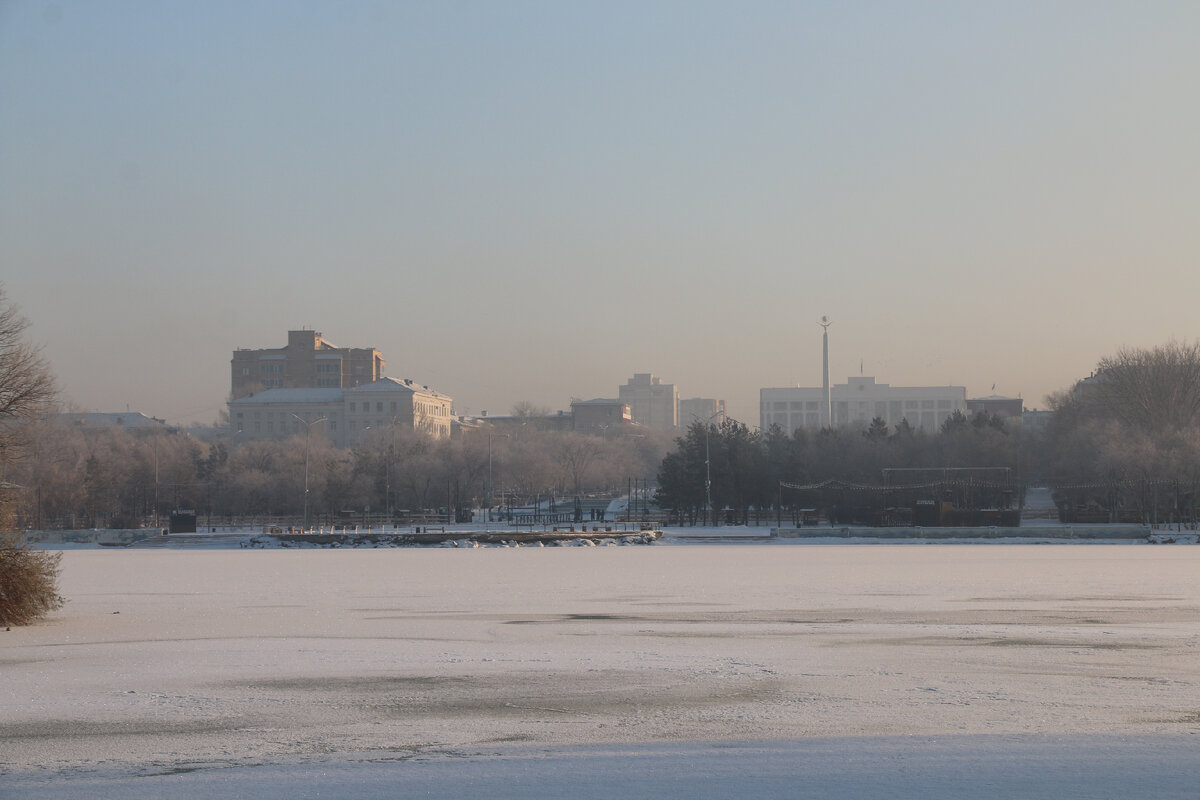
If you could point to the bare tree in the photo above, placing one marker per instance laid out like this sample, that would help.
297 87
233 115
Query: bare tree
27 386
527 408
28 578
1153 390
575 453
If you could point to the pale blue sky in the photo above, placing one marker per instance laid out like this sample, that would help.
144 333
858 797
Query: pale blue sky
533 201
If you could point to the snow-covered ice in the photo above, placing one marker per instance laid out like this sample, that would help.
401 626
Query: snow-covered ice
701 671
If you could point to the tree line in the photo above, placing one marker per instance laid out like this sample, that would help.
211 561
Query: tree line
734 473
120 477
1122 444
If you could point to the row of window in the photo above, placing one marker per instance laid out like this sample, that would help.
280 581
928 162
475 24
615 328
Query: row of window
881 406
929 420
271 425
431 410
366 407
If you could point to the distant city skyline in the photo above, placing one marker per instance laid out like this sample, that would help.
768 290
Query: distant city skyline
533 201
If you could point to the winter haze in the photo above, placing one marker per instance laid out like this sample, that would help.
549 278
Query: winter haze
532 201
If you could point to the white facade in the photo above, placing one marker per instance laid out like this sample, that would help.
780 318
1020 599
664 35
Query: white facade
346 413
858 401
651 402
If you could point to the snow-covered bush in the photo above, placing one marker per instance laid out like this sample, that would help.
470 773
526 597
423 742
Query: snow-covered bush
28 582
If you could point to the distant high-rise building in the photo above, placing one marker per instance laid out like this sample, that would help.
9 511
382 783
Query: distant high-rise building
307 362
651 402
701 409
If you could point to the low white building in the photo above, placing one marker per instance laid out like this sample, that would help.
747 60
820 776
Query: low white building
345 413
857 402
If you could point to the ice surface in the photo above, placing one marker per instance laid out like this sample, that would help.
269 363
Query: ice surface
690 670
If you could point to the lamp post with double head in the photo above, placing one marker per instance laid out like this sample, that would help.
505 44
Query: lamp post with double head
492 436
307 438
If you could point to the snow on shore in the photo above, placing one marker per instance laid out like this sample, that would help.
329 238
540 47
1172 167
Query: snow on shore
169 661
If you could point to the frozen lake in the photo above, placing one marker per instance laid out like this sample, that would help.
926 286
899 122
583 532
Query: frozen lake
697 671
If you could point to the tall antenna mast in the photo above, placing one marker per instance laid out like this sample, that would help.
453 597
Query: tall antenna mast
825 323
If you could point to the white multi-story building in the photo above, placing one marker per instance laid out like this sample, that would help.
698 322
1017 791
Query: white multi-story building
651 402
857 402
344 414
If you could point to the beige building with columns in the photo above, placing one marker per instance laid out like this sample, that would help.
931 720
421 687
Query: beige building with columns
345 414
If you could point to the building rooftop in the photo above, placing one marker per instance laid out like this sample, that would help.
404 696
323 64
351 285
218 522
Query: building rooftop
128 419
392 384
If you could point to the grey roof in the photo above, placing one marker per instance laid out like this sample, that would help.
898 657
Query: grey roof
128 419
394 384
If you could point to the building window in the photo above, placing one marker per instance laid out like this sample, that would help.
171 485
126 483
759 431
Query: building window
352 408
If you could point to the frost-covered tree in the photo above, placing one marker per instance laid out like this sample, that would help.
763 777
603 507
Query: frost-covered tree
1153 390
28 578
27 386
1130 429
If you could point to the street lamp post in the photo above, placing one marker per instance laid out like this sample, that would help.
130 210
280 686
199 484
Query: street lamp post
307 437
154 450
492 436
388 476
707 463
156 481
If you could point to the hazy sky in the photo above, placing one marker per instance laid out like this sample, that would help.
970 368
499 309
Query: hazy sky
535 200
